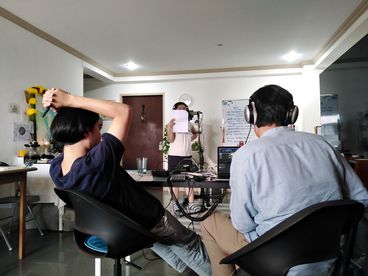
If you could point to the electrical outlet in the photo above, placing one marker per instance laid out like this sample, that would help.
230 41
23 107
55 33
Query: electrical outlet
13 108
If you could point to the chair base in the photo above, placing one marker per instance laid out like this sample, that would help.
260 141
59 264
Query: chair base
132 264
32 218
6 240
117 266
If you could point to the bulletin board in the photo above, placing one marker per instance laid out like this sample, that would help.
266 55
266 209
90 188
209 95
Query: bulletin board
235 128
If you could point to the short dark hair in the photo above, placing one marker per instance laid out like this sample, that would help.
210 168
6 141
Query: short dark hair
70 124
180 103
272 104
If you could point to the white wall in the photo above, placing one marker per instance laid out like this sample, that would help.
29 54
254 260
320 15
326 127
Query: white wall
26 60
208 94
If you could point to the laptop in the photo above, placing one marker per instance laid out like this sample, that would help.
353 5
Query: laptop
224 157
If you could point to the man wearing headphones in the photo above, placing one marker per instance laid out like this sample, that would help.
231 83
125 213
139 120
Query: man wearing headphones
274 177
180 153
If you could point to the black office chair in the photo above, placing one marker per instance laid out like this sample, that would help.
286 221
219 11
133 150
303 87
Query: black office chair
311 235
95 219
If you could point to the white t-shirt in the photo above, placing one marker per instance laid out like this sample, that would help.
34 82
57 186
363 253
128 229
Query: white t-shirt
182 145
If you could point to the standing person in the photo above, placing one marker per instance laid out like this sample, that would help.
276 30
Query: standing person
180 152
90 163
272 178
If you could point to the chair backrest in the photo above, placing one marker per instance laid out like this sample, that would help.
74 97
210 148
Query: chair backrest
311 235
122 235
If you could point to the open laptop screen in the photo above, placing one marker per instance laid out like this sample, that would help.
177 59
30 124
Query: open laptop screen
224 157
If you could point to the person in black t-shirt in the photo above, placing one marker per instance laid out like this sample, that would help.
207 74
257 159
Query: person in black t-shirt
90 163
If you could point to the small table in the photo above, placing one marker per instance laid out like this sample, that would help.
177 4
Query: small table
18 174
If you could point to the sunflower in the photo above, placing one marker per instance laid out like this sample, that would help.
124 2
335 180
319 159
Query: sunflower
32 101
31 111
31 90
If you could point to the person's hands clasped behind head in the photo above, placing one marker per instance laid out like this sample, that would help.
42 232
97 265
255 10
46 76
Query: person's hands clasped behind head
56 99
119 113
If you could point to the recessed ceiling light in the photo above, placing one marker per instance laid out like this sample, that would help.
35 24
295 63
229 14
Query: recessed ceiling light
131 65
292 56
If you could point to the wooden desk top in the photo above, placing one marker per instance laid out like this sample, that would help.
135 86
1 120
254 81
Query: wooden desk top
13 174
12 169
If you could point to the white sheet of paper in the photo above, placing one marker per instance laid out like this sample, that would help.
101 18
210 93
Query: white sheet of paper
181 121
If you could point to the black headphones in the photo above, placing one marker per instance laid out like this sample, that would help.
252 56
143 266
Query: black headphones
250 113
180 103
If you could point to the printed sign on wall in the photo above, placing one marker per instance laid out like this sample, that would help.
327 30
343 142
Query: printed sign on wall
235 128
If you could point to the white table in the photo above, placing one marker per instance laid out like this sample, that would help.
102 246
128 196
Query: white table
40 183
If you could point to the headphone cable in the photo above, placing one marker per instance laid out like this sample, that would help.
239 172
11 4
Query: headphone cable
246 139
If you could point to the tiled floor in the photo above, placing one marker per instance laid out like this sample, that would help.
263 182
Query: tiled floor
56 254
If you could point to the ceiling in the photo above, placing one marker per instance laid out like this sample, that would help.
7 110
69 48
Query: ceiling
191 36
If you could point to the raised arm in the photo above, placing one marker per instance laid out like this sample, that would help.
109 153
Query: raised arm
119 113
170 132
194 133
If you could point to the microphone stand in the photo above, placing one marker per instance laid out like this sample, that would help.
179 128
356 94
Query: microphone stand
200 150
203 196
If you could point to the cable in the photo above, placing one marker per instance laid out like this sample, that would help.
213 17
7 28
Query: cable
168 203
187 215
250 128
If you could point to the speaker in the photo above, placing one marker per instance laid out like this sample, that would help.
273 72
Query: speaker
180 103
250 114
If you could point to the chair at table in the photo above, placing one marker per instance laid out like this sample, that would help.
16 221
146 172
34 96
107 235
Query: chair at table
311 235
12 202
8 205
102 231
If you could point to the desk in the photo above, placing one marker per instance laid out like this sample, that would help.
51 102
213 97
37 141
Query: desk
18 174
154 185
148 180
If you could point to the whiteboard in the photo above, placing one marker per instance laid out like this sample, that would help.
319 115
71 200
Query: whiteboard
235 128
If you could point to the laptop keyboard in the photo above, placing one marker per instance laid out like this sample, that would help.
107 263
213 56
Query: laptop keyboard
177 178
160 173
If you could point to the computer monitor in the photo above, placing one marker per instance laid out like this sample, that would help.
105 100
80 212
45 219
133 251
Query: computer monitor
224 157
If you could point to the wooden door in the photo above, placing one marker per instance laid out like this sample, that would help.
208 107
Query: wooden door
361 169
145 132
